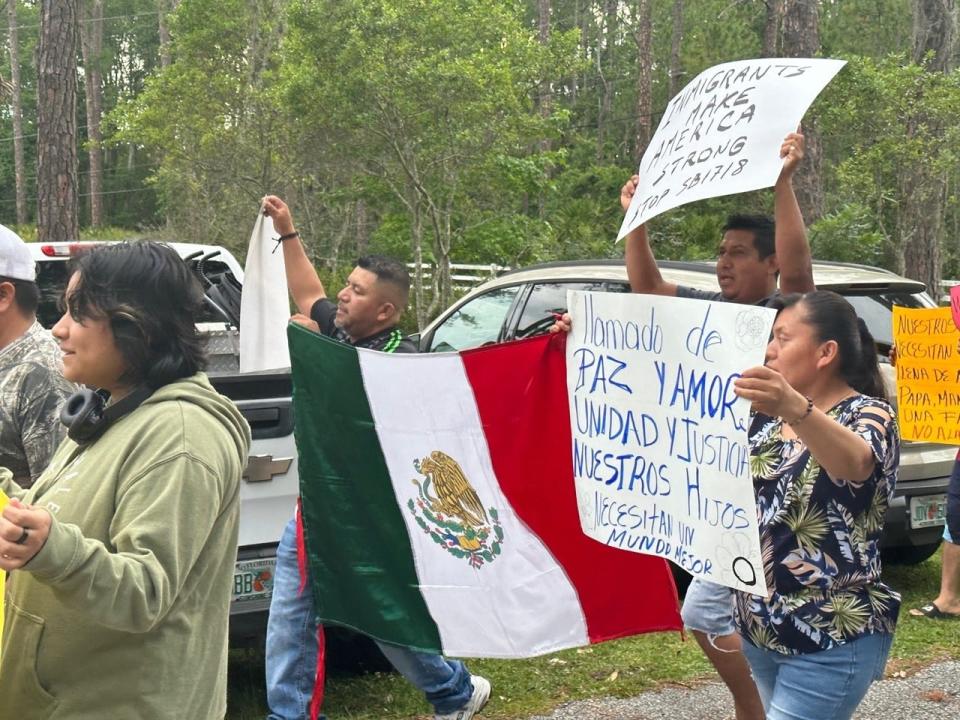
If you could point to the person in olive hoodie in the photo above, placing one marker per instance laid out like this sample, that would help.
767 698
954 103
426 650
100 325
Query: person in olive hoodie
121 555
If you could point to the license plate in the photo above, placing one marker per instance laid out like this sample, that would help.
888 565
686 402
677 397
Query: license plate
253 580
928 510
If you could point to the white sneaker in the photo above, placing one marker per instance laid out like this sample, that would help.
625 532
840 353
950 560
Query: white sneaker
481 693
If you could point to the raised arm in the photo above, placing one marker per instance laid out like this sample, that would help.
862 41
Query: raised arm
642 267
793 250
302 279
839 450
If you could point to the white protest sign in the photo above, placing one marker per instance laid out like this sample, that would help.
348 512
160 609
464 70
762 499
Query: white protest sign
660 454
722 134
264 307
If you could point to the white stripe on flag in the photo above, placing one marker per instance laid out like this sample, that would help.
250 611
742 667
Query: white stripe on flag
521 603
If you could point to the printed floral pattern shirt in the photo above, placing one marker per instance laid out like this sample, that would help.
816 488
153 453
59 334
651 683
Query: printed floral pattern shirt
820 537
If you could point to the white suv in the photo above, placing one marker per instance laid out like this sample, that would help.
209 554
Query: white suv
521 303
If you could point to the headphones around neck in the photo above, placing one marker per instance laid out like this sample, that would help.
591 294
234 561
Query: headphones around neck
87 415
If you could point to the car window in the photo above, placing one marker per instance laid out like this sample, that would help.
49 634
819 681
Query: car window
51 279
876 310
546 299
476 323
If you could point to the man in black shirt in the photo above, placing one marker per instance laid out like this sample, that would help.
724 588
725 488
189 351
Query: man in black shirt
754 253
366 314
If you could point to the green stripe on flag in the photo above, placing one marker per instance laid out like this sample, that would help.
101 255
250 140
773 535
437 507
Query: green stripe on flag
359 556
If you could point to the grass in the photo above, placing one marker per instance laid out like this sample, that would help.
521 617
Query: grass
621 668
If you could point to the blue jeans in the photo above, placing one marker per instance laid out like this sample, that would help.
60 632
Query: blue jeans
818 686
291 657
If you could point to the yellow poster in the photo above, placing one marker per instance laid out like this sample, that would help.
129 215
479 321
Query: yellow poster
928 374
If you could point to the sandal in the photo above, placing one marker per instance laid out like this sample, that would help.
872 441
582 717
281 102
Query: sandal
930 610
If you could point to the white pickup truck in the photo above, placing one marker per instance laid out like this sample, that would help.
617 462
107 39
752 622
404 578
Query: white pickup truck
270 486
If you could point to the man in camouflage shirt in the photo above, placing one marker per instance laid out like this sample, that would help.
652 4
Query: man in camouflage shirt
32 388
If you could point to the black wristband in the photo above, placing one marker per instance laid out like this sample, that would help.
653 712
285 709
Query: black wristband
288 236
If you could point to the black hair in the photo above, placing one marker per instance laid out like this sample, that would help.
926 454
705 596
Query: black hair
389 271
26 295
762 227
151 299
833 318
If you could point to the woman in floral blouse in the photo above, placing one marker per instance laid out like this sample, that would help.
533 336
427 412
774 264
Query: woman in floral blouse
825 452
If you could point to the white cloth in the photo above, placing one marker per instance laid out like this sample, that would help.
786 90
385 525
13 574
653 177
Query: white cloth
264 307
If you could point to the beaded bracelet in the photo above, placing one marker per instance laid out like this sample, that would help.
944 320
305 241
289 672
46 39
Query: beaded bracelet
806 414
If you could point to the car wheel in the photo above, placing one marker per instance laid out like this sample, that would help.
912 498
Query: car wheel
909 554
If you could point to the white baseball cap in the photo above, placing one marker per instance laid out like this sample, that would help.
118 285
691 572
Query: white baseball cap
15 259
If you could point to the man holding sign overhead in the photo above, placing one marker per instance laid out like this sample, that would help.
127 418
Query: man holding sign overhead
754 252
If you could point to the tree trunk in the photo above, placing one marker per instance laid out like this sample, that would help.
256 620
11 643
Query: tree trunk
362 233
676 41
643 35
543 99
922 186
165 7
444 244
923 198
801 39
19 171
543 34
57 122
934 31
605 64
771 28
91 44
581 25
416 233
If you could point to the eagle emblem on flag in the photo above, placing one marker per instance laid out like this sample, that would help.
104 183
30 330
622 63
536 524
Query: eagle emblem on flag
448 509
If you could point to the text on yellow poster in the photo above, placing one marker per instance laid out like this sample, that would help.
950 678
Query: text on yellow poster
928 374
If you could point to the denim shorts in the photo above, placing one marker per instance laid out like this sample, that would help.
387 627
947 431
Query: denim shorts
709 608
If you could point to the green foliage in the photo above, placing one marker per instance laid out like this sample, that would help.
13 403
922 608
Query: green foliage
885 118
28 20
849 234
429 107
209 121
585 210
865 27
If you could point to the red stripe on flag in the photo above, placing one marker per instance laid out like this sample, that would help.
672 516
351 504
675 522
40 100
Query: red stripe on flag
316 700
301 549
521 393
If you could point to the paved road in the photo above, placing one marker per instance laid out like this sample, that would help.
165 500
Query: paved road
930 694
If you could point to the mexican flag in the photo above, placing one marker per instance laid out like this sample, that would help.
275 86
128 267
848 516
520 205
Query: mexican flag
439 509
